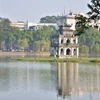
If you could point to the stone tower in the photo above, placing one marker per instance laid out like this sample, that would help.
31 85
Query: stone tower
64 44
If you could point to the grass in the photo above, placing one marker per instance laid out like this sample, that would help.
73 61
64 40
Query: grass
53 59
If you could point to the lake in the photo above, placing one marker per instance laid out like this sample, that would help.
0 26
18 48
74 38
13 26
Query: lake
49 81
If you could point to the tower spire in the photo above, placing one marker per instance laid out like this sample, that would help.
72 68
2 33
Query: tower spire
64 11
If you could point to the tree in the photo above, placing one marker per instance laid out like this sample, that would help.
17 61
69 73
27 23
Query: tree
41 46
14 38
91 39
84 50
93 14
23 43
81 24
49 19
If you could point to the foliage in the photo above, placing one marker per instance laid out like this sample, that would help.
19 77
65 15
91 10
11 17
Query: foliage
90 39
81 24
84 50
49 19
23 43
93 14
41 46
13 38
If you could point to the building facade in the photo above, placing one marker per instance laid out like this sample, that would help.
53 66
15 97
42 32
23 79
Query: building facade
35 26
20 25
31 26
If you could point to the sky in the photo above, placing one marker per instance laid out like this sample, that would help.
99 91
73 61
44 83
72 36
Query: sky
33 10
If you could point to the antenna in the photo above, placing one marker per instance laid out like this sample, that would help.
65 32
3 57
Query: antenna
64 11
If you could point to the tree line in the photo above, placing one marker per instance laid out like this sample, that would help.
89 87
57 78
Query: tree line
14 39
89 43
89 38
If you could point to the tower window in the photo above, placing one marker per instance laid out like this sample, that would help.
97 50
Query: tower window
67 42
68 51
74 51
62 51
74 41
62 41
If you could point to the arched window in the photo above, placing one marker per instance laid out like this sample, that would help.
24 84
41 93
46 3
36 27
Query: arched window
62 41
68 52
62 51
74 41
67 42
74 51
56 52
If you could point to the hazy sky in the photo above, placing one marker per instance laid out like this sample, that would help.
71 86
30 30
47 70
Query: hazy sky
33 10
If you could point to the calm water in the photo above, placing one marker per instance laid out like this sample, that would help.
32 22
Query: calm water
49 81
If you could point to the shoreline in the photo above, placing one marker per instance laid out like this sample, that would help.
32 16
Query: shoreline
22 54
53 59
44 57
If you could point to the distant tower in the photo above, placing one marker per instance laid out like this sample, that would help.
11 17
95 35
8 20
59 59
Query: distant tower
64 11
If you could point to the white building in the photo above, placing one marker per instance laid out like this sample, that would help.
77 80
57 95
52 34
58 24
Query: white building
20 25
31 25
69 19
35 26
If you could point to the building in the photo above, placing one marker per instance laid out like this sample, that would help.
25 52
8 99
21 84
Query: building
65 44
35 26
31 26
69 19
20 25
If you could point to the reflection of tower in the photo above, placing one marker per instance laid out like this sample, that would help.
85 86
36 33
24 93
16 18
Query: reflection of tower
75 80
67 79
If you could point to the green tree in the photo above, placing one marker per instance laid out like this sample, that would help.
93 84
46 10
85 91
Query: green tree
49 19
23 43
14 38
91 38
94 14
84 50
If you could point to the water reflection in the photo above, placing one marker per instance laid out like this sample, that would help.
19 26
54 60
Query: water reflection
49 81
27 76
78 80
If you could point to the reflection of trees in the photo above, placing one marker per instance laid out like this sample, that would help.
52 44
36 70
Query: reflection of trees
77 79
4 79
28 76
